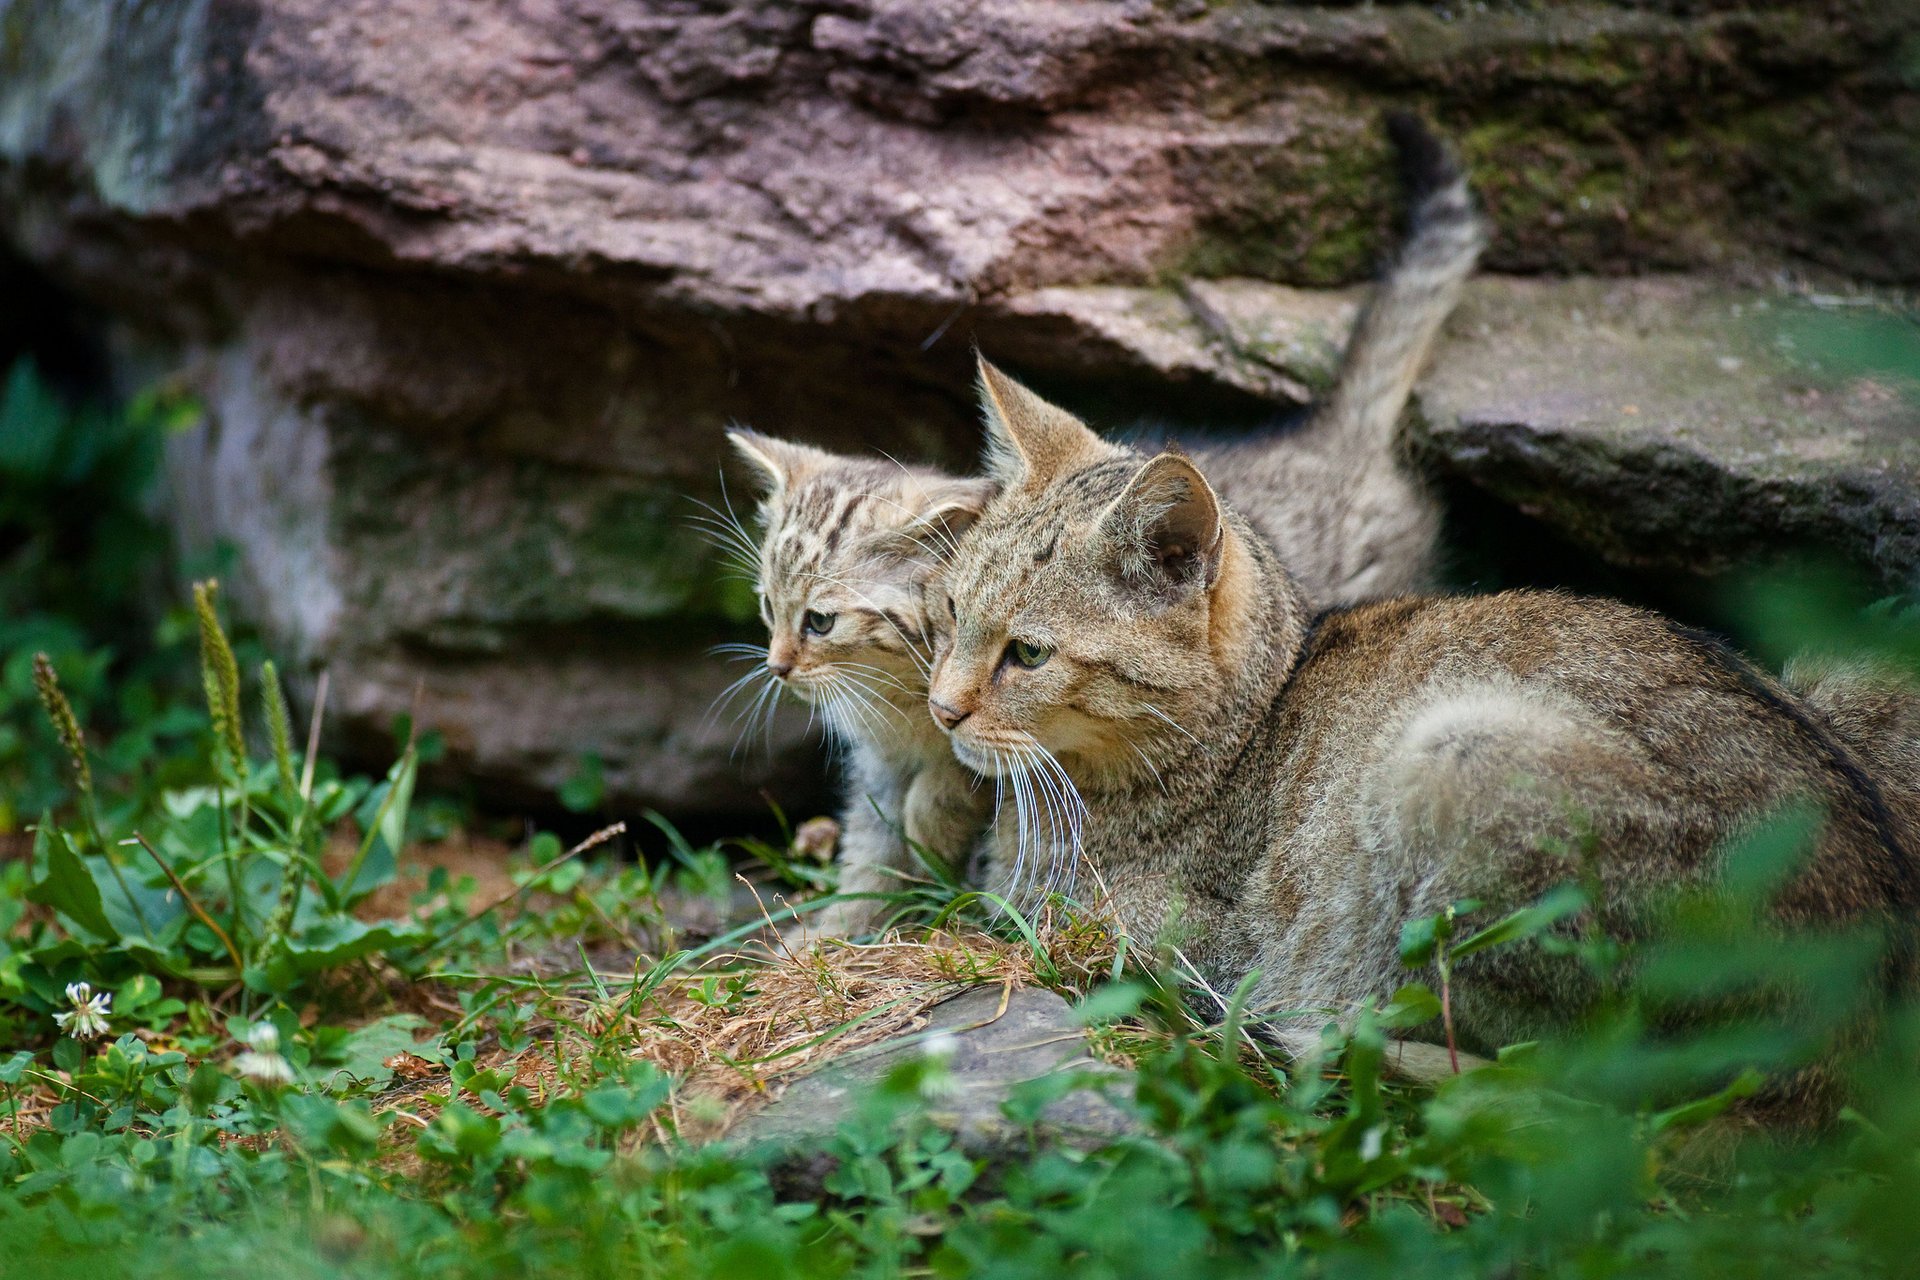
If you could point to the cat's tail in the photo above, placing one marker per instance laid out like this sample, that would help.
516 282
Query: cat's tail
1395 332
1873 708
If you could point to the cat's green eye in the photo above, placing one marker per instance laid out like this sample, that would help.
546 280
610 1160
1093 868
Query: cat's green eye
1024 653
816 623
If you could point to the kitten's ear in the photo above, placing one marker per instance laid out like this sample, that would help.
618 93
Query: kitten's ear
780 464
1167 526
947 510
1030 440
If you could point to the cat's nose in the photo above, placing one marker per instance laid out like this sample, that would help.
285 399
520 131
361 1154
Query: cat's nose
781 670
949 718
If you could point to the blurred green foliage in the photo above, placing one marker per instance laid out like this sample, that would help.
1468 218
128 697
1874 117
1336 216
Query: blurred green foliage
79 557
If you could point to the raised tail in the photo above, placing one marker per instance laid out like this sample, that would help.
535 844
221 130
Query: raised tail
1395 332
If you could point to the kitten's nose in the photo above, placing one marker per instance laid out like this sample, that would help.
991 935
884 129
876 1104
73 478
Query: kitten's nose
949 718
781 670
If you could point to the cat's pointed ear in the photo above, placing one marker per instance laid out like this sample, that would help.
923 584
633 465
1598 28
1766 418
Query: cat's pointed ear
1167 526
1030 441
780 464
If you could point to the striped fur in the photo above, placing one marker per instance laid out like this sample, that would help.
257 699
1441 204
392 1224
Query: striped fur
1332 494
1277 790
854 540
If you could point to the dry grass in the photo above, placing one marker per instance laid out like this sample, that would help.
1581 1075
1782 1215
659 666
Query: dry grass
732 1048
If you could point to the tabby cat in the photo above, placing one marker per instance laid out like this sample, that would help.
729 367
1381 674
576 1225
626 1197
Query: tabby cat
848 544
1279 789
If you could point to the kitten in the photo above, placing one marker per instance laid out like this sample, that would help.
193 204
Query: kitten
1332 493
1279 790
841 568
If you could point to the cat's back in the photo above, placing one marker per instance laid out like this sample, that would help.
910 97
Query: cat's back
1718 741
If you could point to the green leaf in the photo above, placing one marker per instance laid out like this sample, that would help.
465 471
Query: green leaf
1410 1006
336 940
1110 1003
1417 940
384 815
1704 1109
15 1067
1524 923
361 1058
68 886
136 993
584 791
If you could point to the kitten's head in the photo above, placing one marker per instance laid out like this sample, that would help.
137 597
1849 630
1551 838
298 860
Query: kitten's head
841 571
1096 608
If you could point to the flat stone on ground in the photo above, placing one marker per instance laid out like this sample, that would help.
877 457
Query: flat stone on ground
990 1055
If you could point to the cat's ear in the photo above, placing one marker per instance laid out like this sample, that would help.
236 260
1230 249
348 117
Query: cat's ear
779 464
1030 441
1167 527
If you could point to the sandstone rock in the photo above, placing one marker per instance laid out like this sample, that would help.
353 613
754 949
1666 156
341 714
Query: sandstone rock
470 291
1678 425
987 1056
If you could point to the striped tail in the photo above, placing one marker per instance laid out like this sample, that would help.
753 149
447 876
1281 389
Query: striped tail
1396 329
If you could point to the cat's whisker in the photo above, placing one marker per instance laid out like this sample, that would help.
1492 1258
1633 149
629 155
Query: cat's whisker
1168 720
1145 759
1066 812
874 678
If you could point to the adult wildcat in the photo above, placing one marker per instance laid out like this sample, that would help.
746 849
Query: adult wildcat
1280 788
848 544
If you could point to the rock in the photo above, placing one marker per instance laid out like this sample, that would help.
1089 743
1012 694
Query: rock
1673 424
469 292
988 1057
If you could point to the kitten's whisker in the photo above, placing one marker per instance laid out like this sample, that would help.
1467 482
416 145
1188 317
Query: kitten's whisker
913 647
727 695
914 517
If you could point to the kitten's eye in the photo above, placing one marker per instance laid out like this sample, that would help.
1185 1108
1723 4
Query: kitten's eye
816 623
951 611
1026 654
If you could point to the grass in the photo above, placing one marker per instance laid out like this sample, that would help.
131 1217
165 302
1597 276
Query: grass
339 1039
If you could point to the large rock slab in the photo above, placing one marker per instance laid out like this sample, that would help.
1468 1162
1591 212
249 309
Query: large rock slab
1682 425
470 291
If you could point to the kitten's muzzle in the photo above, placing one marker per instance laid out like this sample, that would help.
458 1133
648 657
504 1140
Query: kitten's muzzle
780 670
948 718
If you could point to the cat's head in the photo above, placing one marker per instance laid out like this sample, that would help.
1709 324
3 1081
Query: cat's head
1096 608
841 566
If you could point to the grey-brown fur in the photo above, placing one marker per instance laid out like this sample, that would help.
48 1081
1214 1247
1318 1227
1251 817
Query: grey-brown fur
1334 497
1333 494
1280 790
1873 707
857 538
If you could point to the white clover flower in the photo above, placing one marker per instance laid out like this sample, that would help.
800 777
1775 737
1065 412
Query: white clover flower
87 1020
262 1061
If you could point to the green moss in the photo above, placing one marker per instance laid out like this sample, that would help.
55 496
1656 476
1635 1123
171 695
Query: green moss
1315 218
467 549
